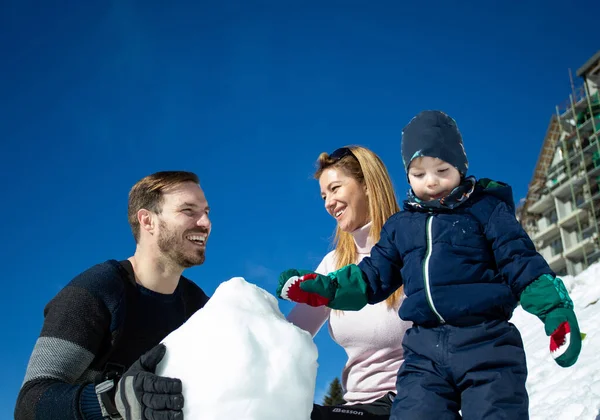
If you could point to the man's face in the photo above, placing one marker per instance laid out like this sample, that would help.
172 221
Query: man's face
184 225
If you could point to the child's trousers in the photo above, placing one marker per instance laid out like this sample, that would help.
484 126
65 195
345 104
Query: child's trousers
480 370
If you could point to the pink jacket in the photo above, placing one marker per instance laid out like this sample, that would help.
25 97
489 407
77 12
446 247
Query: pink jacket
371 337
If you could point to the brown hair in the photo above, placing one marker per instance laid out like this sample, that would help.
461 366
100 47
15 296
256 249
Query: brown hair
367 169
148 192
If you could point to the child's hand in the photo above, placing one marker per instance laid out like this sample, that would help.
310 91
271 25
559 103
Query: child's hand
343 289
548 299
565 339
292 285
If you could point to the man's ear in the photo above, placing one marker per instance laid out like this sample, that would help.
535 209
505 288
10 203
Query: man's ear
146 220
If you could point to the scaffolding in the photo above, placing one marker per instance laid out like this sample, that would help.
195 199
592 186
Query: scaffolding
537 187
562 209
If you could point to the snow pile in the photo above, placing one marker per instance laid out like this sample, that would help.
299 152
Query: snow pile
239 358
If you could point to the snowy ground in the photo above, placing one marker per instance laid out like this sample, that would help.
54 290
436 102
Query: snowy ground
573 393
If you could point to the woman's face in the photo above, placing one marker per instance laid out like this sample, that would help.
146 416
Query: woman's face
346 200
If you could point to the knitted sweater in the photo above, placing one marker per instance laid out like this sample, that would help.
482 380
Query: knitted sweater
101 316
371 337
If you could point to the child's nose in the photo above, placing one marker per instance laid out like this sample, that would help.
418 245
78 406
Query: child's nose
432 181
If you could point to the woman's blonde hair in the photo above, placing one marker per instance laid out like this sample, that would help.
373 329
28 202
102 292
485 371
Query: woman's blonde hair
367 169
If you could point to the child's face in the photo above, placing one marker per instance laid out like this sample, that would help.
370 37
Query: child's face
432 178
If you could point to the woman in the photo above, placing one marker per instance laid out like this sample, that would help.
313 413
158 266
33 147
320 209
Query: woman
358 194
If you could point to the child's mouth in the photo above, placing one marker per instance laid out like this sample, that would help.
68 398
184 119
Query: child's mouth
438 196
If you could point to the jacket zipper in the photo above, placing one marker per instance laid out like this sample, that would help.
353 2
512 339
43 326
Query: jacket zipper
426 278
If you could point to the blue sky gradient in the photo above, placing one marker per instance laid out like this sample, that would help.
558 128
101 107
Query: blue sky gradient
97 94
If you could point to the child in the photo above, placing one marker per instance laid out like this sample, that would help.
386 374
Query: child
465 263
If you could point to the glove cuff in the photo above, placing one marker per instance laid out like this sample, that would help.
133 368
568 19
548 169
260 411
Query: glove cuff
351 291
545 294
105 387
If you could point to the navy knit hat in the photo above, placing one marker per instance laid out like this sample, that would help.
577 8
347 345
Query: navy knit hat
434 134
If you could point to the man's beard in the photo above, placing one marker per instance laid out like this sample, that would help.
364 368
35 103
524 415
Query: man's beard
173 247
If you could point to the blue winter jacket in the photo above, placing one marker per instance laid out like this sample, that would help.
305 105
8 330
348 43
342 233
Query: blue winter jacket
461 266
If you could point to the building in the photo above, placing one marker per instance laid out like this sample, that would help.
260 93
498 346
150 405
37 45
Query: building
561 211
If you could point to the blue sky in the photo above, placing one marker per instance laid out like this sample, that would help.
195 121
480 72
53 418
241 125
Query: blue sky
97 94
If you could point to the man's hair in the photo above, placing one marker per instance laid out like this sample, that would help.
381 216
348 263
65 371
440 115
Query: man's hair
367 169
148 192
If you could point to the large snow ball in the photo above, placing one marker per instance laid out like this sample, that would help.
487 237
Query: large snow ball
239 358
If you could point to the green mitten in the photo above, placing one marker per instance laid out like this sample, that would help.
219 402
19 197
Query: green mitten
548 299
343 289
289 287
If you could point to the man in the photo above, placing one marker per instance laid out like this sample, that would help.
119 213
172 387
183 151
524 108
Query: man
99 346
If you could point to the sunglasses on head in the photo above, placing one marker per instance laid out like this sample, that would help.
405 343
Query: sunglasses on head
340 153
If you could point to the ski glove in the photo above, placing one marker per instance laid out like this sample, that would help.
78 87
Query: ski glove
548 299
344 289
143 395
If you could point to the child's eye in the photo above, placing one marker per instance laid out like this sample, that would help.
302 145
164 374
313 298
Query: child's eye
442 170
417 175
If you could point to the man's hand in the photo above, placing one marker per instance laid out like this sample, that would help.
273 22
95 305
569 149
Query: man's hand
142 395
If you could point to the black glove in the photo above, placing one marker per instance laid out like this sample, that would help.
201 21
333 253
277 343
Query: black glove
143 395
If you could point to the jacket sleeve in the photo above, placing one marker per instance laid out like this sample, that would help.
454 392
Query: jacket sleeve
311 318
514 252
75 325
381 270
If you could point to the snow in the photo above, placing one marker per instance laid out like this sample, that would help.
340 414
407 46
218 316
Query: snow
565 393
239 358
250 363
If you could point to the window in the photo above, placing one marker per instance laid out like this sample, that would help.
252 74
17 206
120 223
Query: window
556 247
552 217
579 199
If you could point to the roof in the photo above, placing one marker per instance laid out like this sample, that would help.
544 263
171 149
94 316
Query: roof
588 64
